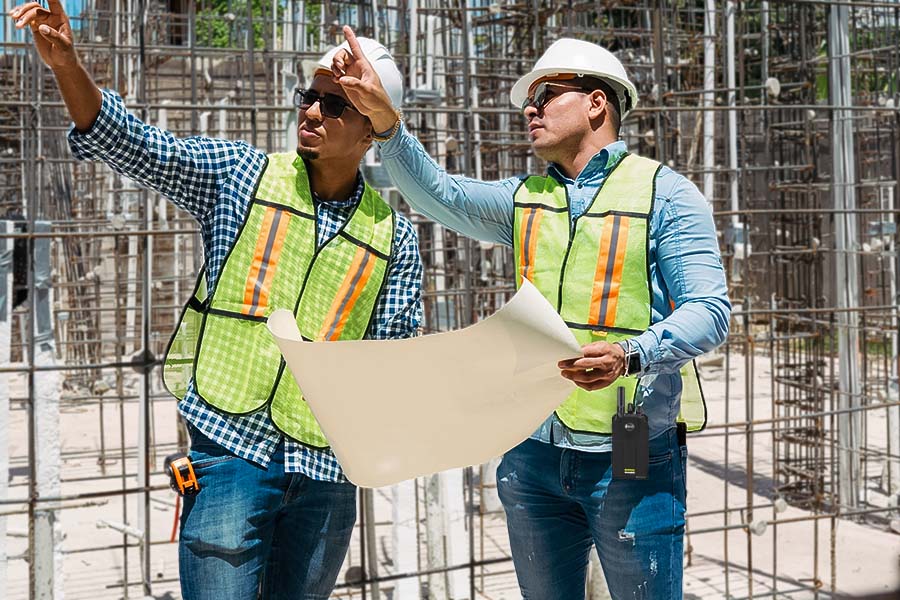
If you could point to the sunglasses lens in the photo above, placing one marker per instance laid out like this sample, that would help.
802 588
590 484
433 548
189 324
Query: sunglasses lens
537 99
332 106
540 96
304 98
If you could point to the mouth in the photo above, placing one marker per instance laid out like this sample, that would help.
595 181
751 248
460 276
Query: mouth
309 134
533 129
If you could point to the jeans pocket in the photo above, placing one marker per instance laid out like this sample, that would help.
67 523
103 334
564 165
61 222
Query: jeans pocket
660 459
205 453
204 462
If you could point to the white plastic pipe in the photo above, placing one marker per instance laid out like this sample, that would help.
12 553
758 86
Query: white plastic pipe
709 99
435 533
731 83
430 24
846 283
6 246
413 44
452 491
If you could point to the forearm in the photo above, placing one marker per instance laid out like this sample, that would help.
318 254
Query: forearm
691 294
190 171
692 330
81 95
478 209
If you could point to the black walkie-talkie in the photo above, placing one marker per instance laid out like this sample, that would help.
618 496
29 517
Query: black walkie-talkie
630 441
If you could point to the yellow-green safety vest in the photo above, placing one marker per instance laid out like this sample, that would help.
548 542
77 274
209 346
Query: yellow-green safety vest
597 275
222 342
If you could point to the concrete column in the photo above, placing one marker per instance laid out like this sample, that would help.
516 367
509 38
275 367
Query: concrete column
47 387
6 250
454 506
435 533
404 542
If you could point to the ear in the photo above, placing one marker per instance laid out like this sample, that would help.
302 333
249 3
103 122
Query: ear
366 141
598 104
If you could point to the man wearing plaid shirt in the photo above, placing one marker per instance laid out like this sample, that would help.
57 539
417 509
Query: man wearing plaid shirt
273 517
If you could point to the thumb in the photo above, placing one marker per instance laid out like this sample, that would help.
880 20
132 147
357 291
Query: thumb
350 82
52 35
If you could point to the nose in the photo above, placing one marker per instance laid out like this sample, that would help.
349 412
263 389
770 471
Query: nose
530 112
314 111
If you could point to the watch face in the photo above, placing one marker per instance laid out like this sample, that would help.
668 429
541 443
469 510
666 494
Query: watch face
634 363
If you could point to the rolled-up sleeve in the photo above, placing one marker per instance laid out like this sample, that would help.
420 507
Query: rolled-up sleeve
189 171
689 263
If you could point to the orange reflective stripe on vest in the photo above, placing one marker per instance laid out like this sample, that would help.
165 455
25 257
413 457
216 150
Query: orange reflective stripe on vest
353 284
610 265
531 222
265 258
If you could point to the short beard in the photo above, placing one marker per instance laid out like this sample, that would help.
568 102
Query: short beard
307 153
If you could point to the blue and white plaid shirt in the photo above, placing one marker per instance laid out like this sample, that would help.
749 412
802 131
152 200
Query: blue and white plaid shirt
213 180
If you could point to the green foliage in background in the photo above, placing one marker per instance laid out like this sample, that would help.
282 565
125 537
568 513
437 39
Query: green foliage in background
225 23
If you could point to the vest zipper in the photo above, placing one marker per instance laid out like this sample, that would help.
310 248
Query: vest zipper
562 270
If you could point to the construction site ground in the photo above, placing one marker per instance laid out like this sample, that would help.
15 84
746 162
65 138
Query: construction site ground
867 557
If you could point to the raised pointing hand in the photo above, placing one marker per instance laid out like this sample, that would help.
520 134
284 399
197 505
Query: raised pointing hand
355 74
52 32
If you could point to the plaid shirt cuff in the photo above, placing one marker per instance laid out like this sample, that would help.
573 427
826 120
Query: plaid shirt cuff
104 131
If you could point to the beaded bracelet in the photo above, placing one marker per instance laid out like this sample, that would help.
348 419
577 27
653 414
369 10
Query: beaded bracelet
391 133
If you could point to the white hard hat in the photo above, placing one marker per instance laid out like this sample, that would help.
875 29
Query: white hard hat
381 61
569 56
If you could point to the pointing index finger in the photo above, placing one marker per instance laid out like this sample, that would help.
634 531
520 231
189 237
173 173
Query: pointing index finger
56 7
355 48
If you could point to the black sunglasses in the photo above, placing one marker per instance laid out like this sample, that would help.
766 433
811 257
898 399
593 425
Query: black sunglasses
332 105
544 93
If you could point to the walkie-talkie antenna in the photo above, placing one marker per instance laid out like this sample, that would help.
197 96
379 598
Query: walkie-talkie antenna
621 392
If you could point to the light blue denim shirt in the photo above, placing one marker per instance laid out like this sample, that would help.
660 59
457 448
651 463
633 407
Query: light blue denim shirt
685 265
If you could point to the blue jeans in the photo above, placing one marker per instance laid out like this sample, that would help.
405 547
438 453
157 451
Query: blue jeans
559 501
253 532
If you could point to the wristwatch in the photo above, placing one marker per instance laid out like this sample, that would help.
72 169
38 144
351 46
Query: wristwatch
632 359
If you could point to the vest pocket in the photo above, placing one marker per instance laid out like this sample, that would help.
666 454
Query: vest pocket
238 360
179 365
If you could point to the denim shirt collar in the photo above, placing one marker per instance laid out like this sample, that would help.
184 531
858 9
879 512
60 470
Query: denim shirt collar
598 166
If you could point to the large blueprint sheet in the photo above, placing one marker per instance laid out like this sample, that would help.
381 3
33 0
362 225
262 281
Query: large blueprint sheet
396 409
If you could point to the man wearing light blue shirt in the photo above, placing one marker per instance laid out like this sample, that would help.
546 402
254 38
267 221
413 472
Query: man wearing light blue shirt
557 487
